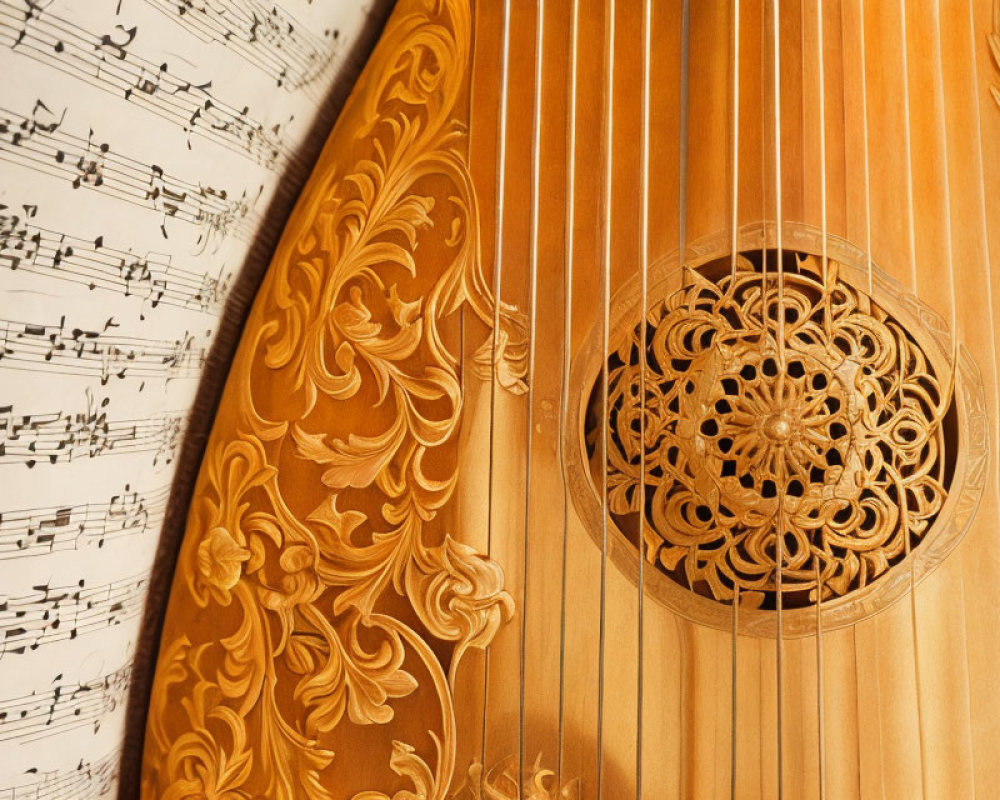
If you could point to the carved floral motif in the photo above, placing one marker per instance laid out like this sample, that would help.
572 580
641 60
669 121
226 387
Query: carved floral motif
318 500
500 783
836 439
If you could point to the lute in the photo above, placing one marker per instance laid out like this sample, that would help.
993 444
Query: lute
615 420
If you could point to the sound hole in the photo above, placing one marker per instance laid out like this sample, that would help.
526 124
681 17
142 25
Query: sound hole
835 432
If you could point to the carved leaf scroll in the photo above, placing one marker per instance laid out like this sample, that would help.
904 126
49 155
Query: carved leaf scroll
317 508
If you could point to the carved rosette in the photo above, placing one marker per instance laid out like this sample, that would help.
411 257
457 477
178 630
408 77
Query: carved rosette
315 567
828 433
856 433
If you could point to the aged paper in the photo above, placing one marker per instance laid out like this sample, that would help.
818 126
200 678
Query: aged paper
141 142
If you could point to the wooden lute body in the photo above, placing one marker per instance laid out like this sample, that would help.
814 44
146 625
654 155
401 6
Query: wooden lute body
421 560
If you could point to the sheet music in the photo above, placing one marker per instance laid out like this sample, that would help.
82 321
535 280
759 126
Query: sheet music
141 142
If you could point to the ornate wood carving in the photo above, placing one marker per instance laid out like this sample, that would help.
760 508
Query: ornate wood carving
706 333
315 570
837 439
328 596
500 783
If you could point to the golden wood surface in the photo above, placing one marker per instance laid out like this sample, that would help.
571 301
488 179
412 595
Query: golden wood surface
387 489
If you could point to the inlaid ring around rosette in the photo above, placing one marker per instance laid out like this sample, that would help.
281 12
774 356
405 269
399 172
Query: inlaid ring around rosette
850 432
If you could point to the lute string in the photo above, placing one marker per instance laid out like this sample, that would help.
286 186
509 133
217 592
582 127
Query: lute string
734 247
530 426
682 262
903 500
607 137
682 173
949 244
608 148
732 732
682 199
566 359
983 226
764 332
735 141
820 678
824 230
870 271
907 148
864 124
643 300
779 533
952 294
495 344
764 324
982 223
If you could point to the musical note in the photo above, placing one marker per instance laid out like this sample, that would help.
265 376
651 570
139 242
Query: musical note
88 162
56 613
38 531
65 706
105 61
59 437
268 38
88 780
20 130
152 277
104 353
115 43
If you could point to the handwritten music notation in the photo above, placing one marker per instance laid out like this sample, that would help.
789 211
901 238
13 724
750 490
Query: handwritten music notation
61 436
64 706
153 277
55 613
88 780
38 531
269 38
38 141
103 353
106 61
150 151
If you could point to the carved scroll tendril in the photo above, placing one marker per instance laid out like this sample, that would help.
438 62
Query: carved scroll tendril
317 510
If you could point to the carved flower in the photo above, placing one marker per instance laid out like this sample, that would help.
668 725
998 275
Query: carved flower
220 561
460 596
